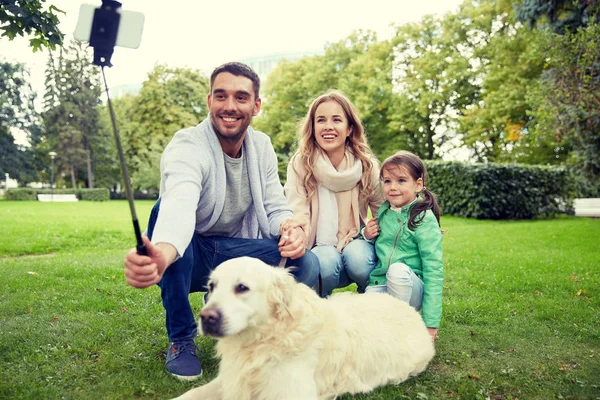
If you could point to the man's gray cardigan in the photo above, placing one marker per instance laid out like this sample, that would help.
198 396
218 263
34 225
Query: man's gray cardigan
192 187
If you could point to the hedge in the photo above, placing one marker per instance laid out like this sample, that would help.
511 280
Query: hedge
149 195
100 194
483 191
20 194
500 191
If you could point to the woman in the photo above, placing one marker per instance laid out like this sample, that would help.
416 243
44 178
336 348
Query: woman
331 181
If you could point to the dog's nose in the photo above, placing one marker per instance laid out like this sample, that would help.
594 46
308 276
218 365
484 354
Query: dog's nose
211 321
210 316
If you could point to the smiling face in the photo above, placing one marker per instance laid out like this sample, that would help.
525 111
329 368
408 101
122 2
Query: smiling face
331 128
232 104
399 187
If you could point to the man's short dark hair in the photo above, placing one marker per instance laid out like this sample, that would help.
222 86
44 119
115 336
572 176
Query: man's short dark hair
237 69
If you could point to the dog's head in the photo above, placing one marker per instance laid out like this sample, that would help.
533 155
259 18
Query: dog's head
244 293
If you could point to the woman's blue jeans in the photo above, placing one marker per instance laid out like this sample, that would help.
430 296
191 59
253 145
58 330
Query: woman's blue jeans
353 264
191 271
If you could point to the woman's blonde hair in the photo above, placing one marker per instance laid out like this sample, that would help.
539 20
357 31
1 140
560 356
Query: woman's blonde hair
356 143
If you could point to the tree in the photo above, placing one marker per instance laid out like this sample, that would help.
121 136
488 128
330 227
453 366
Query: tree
286 97
15 160
368 81
107 169
16 97
17 113
476 78
560 15
434 81
496 127
170 99
568 98
71 115
27 17
567 94
291 87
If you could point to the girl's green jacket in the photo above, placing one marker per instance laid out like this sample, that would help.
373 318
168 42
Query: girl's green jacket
420 249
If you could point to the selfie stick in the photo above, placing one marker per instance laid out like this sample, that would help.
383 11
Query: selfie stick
103 38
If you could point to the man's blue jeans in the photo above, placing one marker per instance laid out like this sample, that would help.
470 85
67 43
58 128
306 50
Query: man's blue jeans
190 272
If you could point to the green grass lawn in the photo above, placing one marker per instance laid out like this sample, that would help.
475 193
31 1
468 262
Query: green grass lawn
521 310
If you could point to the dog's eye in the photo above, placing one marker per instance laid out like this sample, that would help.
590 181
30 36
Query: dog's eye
211 286
241 288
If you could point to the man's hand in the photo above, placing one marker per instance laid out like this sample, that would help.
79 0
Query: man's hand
371 229
290 224
293 242
144 271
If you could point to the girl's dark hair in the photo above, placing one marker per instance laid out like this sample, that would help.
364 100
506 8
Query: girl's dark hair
415 167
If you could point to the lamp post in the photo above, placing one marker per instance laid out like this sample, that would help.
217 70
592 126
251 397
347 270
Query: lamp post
52 155
6 187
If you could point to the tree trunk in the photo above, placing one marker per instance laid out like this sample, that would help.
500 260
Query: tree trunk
90 174
430 133
430 146
72 176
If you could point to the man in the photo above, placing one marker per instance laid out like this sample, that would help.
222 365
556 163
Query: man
220 198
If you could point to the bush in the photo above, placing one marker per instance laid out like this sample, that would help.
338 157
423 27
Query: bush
500 191
20 194
586 187
100 194
150 195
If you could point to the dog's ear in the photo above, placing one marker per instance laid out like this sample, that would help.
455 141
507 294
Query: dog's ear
280 292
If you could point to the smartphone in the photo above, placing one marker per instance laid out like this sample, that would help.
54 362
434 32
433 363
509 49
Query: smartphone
130 27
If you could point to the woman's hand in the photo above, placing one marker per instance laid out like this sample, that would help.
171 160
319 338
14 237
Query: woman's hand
290 224
292 243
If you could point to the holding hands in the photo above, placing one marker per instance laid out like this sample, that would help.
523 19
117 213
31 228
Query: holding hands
371 230
292 243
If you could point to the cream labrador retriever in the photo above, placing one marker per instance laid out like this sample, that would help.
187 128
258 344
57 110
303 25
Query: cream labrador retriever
278 340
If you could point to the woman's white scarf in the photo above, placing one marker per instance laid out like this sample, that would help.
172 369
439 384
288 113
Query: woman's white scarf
335 197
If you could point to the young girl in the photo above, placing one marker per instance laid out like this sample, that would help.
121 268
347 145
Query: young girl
331 181
408 239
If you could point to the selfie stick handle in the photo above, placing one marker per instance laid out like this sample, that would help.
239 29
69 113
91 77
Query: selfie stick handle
140 247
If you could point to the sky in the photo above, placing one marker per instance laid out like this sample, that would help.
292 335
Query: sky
205 34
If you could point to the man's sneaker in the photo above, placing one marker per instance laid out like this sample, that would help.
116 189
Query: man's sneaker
182 361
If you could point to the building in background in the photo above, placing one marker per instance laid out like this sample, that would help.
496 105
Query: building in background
122 90
264 65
